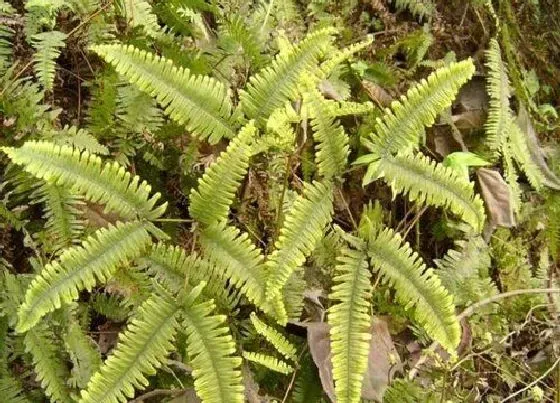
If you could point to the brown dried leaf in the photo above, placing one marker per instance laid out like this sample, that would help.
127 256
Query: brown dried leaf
377 93
497 197
383 360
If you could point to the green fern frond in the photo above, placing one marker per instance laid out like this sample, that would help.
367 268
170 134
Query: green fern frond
332 142
350 320
6 37
139 14
236 258
110 306
83 353
428 182
47 49
303 227
274 337
78 138
141 349
519 150
292 296
327 67
269 362
80 267
63 226
176 270
86 174
347 108
237 34
499 112
211 351
512 178
307 387
211 201
423 9
11 391
273 85
403 124
415 286
49 367
201 103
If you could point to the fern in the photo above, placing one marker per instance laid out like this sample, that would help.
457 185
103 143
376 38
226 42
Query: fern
423 9
303 227
83 354
11 391
211 348
216 191
240 262
269 362
272 86
78 267
520 152
274 337
6 37
403 124
141 350
426 181
332 142
499 112
78 138
415 286
201 103
50 369
350 320
47 49
86 174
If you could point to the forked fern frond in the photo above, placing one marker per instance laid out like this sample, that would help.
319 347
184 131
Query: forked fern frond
237 259
273 85
428 182
499 111
47 49
141 349
49 367
403 125
201 103
350 320
210 202
303 227
269 362
86 174
211 350
81 267
274 337
415 286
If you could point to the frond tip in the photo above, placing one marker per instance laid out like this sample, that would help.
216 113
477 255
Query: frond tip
268 361
274 337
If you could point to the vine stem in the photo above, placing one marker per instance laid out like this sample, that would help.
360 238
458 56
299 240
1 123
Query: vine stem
470 310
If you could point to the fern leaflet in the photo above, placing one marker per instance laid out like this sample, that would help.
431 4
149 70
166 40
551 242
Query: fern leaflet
269 362
47 49
274 337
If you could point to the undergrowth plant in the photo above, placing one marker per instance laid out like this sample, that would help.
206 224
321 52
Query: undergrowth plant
188 206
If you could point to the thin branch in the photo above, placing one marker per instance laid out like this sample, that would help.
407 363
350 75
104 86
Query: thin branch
529 386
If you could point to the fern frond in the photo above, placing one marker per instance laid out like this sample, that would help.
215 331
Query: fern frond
80 267
499 112
80 139
211 350
303 227
273 85
63 226
428 182
332 142
211 201
346 108
140 351
85 173
139 14
49 367
6 37
423 9
269 362
201 103
11 391
176 270
350 320
403 124
415 286
327 67
236 33
83 353
47 49
519 150
236 258
274 337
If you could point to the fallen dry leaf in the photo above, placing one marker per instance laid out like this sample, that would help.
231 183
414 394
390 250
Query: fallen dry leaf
377 94
497 197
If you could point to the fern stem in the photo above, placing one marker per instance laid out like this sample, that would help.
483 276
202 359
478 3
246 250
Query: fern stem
471 310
